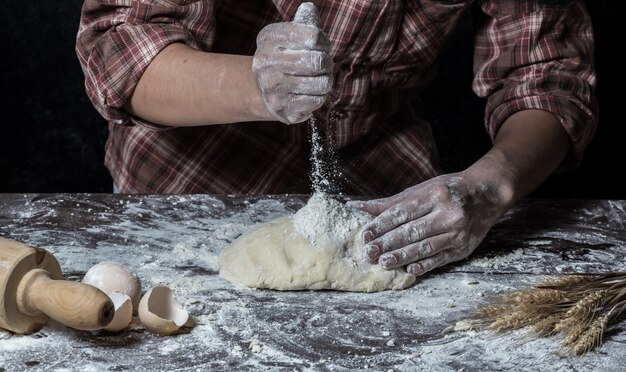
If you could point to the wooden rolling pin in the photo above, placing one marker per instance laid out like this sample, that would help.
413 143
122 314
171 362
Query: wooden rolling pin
32 289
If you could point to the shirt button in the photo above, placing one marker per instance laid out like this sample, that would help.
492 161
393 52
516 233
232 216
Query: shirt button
341 115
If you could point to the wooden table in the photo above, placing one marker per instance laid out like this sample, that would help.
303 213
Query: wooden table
175 240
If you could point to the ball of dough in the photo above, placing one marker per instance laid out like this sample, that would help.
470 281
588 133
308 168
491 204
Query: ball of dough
272 255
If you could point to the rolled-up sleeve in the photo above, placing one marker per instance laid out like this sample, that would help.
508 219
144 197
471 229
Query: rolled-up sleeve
529 56
117 40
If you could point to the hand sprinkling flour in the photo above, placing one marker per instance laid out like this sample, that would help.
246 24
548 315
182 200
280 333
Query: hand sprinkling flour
293 66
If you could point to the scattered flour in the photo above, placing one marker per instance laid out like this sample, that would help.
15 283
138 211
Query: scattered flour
499 261
255 345
177 244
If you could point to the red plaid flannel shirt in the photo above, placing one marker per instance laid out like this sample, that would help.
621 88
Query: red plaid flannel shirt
526 56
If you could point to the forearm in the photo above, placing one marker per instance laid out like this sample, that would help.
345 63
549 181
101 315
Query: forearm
186 87
529 146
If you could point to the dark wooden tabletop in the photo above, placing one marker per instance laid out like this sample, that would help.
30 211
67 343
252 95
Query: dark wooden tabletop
175 241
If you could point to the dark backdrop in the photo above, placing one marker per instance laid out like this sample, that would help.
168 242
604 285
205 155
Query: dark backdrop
52 139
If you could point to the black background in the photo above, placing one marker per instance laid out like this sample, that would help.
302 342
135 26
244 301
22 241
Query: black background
52 139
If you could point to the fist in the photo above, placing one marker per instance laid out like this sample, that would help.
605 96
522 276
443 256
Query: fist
293 66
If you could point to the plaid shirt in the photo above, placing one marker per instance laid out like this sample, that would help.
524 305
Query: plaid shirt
526 56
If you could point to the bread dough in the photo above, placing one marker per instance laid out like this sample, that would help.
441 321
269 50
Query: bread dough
273 255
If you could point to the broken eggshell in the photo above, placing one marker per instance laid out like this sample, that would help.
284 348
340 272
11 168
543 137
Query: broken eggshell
160 312
123 311
111 276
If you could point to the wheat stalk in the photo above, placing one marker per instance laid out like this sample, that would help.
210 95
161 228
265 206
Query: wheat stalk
579 308
591 337
564 281
546 326
572 334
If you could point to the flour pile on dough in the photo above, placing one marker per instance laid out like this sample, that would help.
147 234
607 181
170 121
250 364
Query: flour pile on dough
317 248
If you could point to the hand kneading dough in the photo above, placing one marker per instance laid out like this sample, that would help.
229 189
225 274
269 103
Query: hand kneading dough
272 255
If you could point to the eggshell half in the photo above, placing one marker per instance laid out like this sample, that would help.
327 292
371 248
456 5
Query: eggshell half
160 312
111 276
123 312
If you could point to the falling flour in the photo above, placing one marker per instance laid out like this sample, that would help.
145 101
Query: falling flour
324 217
324 166
318 247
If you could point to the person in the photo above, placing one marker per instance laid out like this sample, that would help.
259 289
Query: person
206 96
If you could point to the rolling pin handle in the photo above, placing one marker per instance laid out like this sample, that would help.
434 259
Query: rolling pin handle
73 304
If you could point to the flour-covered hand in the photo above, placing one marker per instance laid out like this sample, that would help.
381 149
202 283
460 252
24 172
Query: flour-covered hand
431 224
293 66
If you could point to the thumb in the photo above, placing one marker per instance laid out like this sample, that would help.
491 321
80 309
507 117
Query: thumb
373 207
307 14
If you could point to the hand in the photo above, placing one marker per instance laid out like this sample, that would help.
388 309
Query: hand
293 66
432 224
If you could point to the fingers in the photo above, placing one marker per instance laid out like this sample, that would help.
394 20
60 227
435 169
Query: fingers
430 263
423 256
393 217
312 86
286 35
416 251
296 62
403 236
305 63
300 107
378 206
428 225
373 207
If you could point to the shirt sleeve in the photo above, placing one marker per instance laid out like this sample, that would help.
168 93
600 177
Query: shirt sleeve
529 56
117 40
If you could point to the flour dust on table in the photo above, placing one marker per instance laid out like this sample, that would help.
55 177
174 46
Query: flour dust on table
317 248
